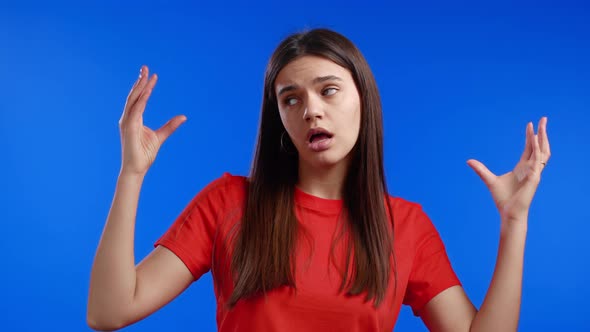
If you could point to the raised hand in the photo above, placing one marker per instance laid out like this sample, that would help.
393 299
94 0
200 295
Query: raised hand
513 192
139 143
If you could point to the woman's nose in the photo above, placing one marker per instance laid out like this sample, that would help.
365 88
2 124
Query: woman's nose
313 109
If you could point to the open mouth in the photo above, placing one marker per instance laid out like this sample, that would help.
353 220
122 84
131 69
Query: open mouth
319 137
318 134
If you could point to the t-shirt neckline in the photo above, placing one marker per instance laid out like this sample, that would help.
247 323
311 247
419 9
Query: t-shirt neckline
316 203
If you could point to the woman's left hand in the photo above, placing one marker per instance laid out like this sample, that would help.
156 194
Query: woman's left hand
513 192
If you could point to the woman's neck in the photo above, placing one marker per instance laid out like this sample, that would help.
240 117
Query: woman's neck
324 182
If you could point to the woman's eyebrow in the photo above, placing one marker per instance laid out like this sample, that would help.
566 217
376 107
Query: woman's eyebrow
316 80
287 89
326 78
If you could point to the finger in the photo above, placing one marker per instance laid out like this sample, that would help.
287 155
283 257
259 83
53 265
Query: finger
137 80
139 107
167 129
528 147
134 93
545 148
536 156
137 90
481 170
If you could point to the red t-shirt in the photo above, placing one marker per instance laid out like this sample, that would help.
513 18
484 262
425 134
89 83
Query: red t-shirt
423 268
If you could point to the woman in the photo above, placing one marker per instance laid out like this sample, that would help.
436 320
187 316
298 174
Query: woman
310 241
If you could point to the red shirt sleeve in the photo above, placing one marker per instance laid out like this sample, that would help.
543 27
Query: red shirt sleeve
431 271
191 235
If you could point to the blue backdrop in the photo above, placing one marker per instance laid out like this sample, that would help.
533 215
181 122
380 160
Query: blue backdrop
457 80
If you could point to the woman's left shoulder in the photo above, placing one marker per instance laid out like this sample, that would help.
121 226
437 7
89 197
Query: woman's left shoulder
401 205
407 213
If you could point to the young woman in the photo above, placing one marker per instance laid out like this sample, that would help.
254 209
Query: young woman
310 240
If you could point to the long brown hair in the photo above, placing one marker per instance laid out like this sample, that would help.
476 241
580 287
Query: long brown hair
263 256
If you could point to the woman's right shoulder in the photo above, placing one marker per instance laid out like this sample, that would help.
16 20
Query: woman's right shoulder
228 181
224 191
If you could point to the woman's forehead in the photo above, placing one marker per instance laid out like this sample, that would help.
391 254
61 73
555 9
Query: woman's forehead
307 70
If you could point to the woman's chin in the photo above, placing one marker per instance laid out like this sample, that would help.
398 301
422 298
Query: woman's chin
324 160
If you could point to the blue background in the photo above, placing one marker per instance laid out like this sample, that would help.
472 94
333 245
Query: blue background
457 80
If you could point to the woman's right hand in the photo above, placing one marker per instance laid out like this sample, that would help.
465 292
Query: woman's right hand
140 144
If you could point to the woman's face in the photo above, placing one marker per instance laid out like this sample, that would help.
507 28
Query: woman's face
320 107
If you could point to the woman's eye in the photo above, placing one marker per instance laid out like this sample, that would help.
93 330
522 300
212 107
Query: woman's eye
290 101
329 91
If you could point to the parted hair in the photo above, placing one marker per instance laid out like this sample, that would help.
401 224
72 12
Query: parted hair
263 255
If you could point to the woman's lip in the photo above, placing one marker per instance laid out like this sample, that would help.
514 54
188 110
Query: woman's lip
320 145
318 130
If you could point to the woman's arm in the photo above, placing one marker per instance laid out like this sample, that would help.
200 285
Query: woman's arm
451 310
500 310
512 192
119 292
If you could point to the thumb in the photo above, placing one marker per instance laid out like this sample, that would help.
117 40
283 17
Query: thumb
481 170
167 129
